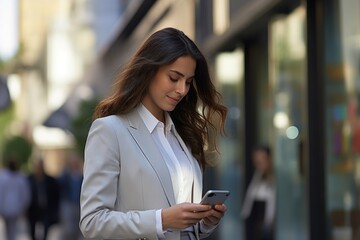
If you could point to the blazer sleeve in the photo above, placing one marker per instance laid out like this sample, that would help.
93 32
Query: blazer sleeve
99 219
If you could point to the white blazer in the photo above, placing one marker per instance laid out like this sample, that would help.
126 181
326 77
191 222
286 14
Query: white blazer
126 180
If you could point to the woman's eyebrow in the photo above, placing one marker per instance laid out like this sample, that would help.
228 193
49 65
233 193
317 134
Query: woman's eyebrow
180 74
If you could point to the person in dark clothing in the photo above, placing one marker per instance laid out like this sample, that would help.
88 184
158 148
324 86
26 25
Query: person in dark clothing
70 184
44 204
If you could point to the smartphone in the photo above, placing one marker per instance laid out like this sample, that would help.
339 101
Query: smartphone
214 197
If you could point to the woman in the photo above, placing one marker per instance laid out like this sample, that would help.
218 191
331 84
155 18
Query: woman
259 204
144 154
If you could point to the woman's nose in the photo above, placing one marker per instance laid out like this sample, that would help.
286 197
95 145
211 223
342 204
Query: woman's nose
181 87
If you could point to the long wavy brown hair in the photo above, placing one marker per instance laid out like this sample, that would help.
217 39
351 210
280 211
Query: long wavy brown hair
194 114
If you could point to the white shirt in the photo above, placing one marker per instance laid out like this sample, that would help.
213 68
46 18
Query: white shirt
264 191
179 165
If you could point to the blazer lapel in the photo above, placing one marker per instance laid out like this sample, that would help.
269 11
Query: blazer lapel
145 142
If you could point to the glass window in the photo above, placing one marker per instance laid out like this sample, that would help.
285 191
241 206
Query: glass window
220 16
287 65
229 68
342 73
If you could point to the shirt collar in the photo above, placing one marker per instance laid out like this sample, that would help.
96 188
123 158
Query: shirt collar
151 121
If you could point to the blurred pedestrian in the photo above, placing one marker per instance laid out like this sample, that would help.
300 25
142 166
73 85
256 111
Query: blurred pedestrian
259 203
144 154
14 196
70 184
44 204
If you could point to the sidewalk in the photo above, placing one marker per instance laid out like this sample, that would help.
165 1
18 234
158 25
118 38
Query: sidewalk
54 233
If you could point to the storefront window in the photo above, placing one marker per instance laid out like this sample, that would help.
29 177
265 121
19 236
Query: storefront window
342 73
229 68
287 65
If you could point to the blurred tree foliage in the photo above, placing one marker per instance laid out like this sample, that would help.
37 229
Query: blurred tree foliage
6 116
80 125
18 147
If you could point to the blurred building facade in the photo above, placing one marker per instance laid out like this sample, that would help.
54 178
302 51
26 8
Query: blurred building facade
58 40
288 71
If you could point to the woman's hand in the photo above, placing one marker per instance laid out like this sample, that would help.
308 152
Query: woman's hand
218 211
184 215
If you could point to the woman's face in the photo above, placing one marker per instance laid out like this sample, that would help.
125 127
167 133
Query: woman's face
169 85
261 161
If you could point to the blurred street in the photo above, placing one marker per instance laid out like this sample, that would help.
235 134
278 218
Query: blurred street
23 232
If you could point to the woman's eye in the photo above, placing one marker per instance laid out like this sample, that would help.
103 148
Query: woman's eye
173 79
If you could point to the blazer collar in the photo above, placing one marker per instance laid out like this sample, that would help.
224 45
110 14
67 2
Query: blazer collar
145 142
